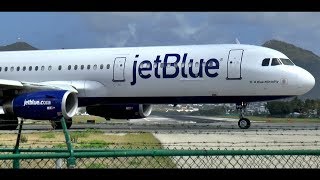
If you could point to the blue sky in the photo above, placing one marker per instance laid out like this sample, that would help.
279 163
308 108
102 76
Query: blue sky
55 30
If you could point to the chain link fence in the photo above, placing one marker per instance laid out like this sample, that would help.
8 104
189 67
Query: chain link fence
158 158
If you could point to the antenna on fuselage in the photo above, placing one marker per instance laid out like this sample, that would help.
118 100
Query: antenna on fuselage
237 41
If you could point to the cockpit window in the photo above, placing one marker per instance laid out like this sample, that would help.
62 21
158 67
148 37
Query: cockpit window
265 62
287 62
275 62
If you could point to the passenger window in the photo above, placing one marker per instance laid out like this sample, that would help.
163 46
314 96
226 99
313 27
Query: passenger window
88 67
101 66
49 68
24 68
36 68
82 67
42 68
108 66
265 62
6 69
75 67
275 62
60 67
12 68
69 67
30 68
0 69
18 68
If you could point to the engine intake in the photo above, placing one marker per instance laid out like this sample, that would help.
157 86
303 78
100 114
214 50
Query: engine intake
123 111
43 105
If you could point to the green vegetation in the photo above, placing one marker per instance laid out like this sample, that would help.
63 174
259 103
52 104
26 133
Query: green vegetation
96 166
48 135
23 139
60 145
92 144
303 109
74 136
18 46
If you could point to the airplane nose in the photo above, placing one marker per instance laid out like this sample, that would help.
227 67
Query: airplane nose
308 81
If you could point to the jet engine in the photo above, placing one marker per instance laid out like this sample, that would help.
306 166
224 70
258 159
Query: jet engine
43 105
122 111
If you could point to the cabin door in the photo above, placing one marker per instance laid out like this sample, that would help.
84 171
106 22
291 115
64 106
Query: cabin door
234 64
118 69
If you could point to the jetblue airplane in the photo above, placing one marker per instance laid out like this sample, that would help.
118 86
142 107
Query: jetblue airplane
125 82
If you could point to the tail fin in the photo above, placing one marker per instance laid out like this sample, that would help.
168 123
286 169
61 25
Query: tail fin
237 41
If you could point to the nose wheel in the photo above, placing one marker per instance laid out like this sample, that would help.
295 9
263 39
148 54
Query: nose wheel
243 123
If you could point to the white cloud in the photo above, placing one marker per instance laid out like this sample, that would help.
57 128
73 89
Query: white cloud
166 28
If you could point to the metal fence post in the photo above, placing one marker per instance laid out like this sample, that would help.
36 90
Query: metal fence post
71 161
16 162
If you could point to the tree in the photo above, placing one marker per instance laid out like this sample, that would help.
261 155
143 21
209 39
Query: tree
279 108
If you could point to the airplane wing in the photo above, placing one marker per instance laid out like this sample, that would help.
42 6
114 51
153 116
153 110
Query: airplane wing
22 85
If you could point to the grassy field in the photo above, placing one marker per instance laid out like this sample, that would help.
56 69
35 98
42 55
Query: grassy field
90 139
278 120
82 139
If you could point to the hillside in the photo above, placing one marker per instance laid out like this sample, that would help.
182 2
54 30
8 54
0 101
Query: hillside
18 46
303 58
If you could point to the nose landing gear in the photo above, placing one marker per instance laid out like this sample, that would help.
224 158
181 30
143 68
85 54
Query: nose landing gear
243 123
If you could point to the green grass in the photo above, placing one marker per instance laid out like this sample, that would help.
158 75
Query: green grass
60 145
48 135
93 144
96 166
76 135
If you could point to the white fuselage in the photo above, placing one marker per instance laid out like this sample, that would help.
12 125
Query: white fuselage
137 74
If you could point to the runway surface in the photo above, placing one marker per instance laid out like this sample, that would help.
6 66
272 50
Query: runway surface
177 131
175 124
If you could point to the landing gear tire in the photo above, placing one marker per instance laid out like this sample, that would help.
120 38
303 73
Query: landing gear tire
244 123
8 122
56 123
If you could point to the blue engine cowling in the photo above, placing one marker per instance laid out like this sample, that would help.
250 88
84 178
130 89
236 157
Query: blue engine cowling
44 105
121 111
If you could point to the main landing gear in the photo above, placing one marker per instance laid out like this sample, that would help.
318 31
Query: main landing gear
243 123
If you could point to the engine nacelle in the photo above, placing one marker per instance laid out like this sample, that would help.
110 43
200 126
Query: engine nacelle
123 111
43 105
